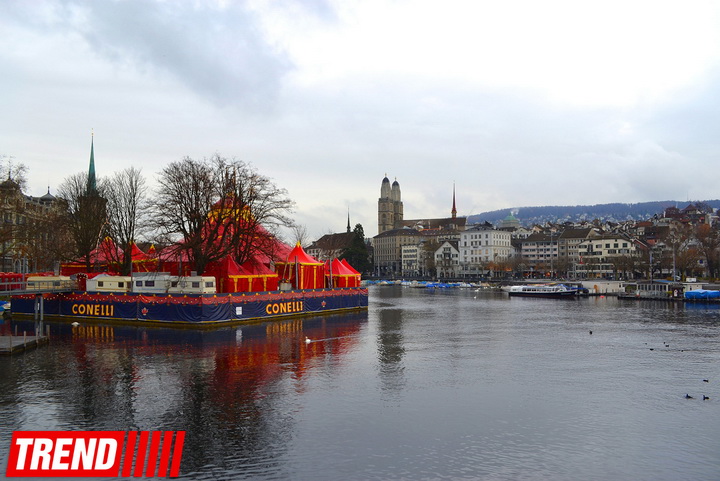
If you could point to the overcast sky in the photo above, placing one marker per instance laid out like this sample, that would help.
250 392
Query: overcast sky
519 103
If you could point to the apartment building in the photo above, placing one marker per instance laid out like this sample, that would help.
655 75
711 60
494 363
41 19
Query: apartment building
482 245
604 256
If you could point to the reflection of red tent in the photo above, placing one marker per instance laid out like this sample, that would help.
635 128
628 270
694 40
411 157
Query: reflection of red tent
301 270
342 275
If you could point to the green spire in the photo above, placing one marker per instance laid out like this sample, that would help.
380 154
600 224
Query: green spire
91 183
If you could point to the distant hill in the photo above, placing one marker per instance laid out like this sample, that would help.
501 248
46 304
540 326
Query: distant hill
605 212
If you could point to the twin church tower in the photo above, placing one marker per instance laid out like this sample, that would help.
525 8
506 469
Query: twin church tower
390 206
390 209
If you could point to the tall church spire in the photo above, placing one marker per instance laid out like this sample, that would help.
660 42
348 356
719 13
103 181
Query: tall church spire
91 182
348 226
454 210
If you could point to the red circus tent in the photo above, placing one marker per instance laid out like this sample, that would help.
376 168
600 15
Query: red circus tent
174 261
347 264
259 277
301 270
251 276
342 275
142 262
223 271
107 256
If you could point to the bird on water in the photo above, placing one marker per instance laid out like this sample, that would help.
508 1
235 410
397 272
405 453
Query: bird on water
687 396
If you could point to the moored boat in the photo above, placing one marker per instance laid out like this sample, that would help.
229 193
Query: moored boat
559 291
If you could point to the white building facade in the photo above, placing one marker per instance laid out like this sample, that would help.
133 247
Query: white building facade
482 247
447 260
412 265
604 256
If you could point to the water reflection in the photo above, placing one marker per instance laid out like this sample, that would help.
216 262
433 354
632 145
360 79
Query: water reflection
228 388
390 349
426 385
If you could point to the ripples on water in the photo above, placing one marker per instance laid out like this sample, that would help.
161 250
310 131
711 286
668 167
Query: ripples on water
452 384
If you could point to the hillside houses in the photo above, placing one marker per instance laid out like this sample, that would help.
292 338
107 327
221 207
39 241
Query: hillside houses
675 242
672 241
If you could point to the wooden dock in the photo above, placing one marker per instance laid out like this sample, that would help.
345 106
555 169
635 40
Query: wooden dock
16 344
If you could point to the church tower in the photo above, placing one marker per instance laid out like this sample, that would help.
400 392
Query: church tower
453 212
397 205
91 188
390 207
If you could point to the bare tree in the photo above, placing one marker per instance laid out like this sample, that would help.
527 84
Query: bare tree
687 261
708 238
299 234
48 238
85 214
218 207
677 242
126 196
15 171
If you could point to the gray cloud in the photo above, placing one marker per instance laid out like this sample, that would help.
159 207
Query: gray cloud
218 53
162 79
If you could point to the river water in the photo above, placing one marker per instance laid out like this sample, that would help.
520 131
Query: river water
444 384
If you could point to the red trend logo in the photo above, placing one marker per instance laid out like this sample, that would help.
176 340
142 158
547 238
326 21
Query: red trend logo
95 453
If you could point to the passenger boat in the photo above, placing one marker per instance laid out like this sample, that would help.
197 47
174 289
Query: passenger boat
559 291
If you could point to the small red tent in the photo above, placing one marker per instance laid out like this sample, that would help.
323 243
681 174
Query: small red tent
108 257
258 276
224 271
141 262
342 275
301 270
175 261
347 264
252 276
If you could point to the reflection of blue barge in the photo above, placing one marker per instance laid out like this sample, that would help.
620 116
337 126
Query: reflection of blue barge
188 309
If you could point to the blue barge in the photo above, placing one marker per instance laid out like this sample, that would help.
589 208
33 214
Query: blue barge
189 310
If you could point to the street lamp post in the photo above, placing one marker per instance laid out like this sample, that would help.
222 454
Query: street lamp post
551 255
651 266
